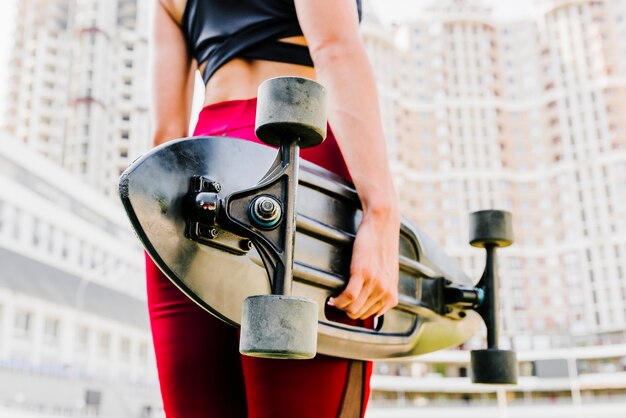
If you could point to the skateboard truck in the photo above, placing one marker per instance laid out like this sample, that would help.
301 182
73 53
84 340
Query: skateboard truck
491 229
291 114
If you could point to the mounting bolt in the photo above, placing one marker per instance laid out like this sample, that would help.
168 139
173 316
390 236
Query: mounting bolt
215 187
245 245
207 232
265 212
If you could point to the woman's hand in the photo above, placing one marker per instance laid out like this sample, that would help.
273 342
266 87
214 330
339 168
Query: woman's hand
373 285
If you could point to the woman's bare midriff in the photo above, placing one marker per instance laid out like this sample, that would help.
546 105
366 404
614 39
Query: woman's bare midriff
240 78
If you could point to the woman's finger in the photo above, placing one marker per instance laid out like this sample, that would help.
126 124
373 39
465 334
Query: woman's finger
363 304
389 304
373 294
349 294
373 309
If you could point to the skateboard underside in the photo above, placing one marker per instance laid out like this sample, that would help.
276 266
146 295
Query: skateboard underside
219 271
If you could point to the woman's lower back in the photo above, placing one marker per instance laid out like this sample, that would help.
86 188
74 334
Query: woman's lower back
240 78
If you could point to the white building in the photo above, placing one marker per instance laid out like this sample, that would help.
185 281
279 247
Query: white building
526 116
78 84
36 108
74 331
582 382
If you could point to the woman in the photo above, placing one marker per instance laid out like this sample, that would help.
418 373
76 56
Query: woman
236 45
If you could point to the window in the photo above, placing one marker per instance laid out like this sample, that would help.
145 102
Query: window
51 331
104 343
125 349
82 339
35 236
143 352
23 324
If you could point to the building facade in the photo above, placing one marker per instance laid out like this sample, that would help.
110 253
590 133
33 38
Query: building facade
74 333
553 383
78 90
525 116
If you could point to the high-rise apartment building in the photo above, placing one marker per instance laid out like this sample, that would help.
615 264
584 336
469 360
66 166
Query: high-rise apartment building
526 116
36 108
79 93
74 331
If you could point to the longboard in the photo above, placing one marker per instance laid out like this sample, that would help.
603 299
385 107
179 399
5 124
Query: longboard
219 269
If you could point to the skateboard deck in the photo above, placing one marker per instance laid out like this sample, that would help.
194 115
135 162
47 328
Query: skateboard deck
219 269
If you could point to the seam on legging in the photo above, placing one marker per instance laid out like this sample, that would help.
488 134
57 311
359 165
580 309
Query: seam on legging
363 378
347 407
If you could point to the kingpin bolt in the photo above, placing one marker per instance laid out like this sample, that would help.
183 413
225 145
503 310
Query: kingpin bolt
267 207
265 212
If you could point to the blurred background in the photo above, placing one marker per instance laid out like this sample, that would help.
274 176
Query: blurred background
516 105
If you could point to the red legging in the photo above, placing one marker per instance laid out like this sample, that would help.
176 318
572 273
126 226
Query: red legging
201 372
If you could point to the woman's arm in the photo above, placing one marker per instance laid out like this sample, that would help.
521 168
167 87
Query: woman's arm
173 73
342 66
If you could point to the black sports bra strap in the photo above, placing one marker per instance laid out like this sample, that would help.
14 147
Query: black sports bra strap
281 52
278 51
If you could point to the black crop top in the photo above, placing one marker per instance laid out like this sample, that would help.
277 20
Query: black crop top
220 30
